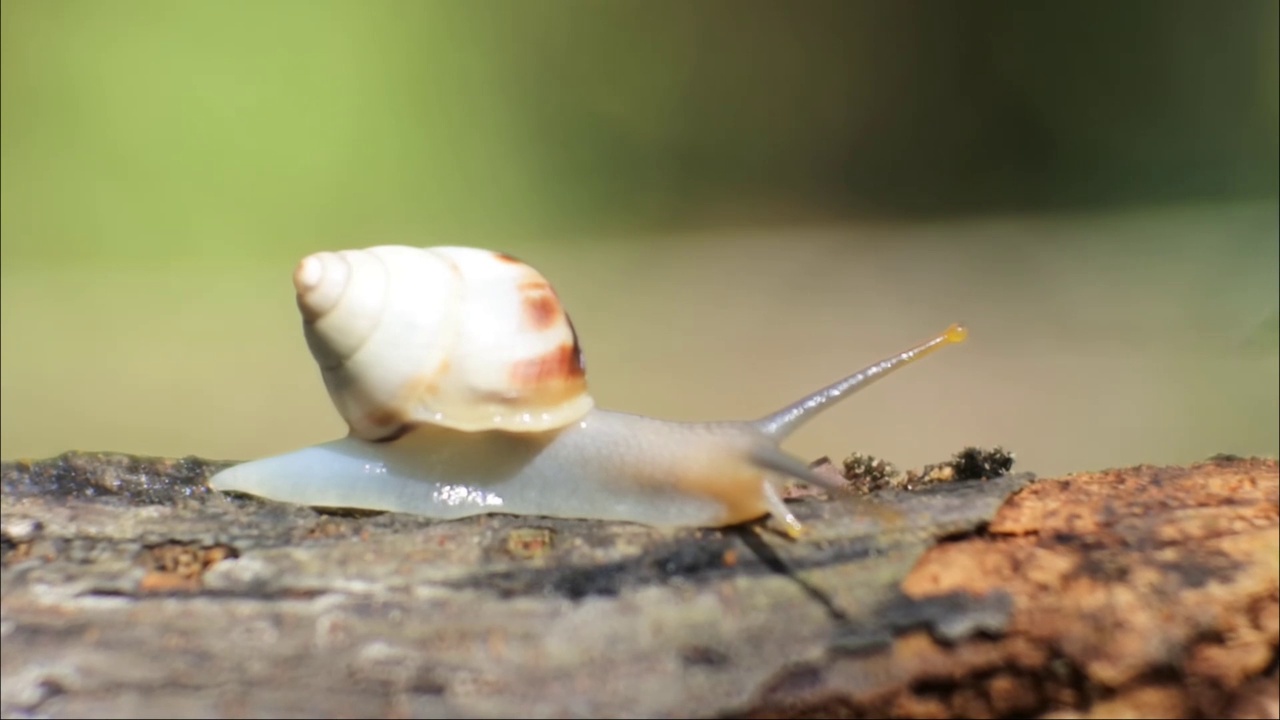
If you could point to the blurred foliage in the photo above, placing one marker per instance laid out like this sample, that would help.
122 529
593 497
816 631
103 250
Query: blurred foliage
145 129
738 200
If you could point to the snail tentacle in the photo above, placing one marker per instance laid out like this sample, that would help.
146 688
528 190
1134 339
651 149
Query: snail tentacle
783 422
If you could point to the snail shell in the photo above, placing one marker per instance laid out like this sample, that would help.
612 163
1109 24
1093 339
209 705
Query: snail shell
459 337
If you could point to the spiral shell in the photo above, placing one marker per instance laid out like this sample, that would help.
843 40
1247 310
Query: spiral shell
460 337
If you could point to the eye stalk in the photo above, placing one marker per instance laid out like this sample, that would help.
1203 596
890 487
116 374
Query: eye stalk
785 421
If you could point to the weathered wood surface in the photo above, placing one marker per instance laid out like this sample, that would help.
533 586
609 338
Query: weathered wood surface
130 590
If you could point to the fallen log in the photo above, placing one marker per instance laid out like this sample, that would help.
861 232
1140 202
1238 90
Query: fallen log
130 589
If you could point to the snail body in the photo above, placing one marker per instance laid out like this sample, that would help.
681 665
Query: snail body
462 381
690 475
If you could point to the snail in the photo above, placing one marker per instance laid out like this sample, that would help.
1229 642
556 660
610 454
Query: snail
462 380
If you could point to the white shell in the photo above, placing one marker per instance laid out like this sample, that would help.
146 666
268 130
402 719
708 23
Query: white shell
459 337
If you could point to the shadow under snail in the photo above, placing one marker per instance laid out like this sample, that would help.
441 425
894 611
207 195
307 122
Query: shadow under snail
462 381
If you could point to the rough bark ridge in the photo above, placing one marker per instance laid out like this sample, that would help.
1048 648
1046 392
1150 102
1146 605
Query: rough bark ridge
130 589
1142 592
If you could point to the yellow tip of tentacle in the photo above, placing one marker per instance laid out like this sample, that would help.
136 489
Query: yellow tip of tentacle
791 527
957 333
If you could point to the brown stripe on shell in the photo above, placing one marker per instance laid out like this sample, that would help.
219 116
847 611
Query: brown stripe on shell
424 384
419 386
508 258
395 434
388 418
578 361
557 373
539 303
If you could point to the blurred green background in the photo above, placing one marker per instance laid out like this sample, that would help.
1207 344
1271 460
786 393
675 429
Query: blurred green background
738 201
